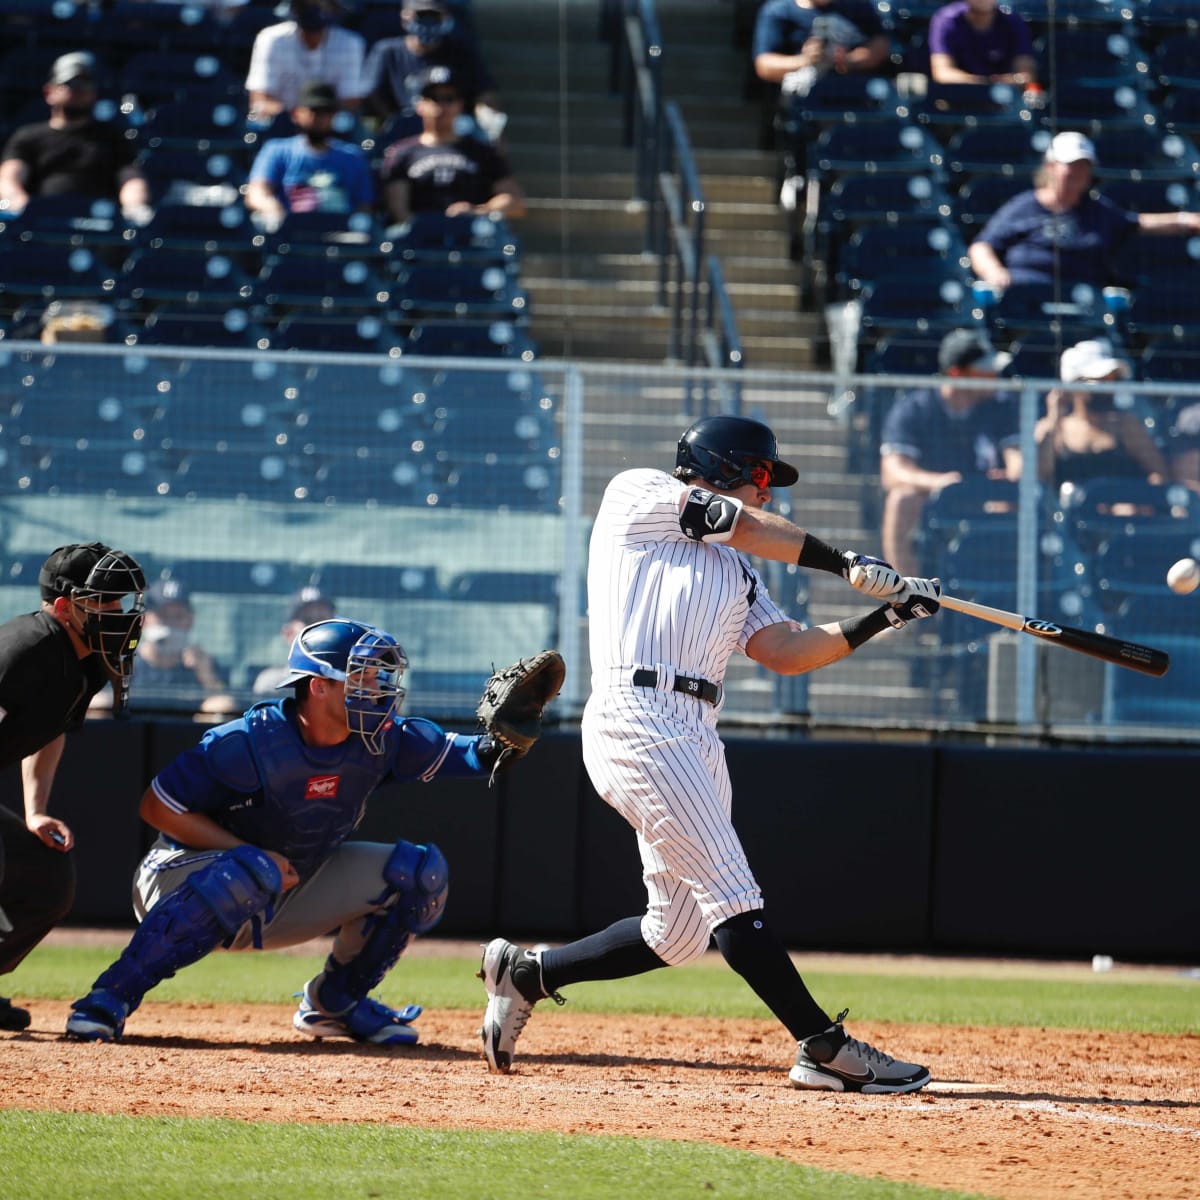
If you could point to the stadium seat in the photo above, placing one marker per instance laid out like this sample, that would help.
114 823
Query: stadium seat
36 273
206 120
331 234
434 237
1176 61
73 220
506 587
387 581
216 325
470 339
1013 149
164 275
331 285
170 170
926 303
1146 150
212 228
431 290
1180 112
873 146
916 246
123 30
981 196
159 76
1091 104
1091 55
1093 512
1133 698
366 334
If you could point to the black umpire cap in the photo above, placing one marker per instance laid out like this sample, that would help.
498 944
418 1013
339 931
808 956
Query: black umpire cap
68 567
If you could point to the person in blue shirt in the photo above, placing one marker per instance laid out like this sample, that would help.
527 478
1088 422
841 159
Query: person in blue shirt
311 171
935 438
1059 229
792 36
253 846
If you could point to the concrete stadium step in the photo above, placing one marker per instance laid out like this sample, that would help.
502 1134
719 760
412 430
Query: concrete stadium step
737 270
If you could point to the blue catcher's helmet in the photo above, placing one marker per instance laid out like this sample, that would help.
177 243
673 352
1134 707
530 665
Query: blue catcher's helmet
368 661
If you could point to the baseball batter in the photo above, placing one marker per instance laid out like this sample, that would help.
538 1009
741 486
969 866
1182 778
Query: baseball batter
253 847
671 597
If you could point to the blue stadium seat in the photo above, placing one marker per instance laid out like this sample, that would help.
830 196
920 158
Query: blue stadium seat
916 246
383 477
328 234
1012 149
159 76
981 196
217 326
1180 112
470 339
292 282
122 30
75 220
1092 104
386 581
1094 512
433 289
211 228
1176 61
365 334
871 146
932 301
434 237
1146 150
1069 313
511 587
206 120
36 273
1091 55
154 277
1130 697
170 169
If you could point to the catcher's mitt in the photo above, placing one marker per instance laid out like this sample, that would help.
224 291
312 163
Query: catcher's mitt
513 699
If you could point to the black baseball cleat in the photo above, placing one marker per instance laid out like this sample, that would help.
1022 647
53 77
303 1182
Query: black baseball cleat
12 1018
833 1061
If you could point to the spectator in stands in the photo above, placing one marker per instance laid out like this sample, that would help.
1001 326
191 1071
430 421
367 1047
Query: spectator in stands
311 171
309 46
170 665
934 438
973 41
797 41
396 68
72 152
1090 435
1058 228
308 606
439 171
1185 445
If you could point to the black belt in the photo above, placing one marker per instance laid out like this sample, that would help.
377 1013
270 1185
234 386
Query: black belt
700 688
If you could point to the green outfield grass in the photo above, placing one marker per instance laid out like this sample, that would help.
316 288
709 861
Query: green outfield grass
81 1157
1164 1004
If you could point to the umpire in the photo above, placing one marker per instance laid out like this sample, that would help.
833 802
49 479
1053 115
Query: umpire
52 662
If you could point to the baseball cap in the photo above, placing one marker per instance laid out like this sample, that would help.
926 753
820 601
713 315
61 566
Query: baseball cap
306 600
439 76
1069 148
963 348
317 95
68 567
167 591
1091 360
68 68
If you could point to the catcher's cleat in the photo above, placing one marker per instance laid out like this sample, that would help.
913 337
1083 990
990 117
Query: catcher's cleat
833 1061
513 978
98 1017
13 1018
366 1021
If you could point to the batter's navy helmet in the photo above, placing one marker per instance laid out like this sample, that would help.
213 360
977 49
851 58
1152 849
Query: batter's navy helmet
368 661
723 449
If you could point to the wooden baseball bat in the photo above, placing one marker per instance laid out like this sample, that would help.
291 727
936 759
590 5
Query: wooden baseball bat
1121 653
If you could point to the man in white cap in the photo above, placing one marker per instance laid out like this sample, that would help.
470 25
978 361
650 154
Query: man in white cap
1058 230
71 153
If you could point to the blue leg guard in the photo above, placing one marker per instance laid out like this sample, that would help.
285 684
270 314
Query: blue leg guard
417 876
211 905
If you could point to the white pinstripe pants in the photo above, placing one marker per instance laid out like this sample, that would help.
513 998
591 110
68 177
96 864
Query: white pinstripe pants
656 758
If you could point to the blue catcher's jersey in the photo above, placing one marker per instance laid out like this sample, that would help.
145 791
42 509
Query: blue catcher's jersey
256 777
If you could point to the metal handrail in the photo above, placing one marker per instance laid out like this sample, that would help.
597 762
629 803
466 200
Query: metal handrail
667 183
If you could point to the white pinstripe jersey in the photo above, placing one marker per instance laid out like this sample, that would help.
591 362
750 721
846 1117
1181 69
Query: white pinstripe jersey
658 598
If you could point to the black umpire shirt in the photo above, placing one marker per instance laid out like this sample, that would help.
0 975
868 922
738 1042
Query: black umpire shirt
45 688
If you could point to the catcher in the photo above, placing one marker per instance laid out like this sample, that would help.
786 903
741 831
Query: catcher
253 825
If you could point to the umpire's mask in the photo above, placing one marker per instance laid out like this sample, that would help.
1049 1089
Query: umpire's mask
107 588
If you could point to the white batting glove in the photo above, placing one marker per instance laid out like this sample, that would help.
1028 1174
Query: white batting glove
872 576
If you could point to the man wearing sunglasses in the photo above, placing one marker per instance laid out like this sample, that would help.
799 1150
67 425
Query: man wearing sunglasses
671 596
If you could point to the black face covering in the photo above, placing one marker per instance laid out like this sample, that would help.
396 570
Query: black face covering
312 18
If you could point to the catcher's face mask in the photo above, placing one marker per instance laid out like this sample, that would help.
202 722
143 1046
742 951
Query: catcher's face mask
375 687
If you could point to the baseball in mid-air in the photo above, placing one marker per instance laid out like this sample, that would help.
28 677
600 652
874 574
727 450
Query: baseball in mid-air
1184 576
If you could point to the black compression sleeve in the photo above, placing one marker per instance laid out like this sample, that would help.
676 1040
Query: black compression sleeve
857 630
820 556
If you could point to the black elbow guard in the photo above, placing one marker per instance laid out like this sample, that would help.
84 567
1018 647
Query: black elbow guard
709 517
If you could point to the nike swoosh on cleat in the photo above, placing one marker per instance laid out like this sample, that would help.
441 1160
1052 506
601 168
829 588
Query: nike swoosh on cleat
868 1076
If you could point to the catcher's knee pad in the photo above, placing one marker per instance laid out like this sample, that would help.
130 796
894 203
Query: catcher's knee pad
420 874
208 907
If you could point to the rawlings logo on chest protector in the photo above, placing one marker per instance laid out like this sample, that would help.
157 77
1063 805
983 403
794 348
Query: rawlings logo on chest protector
321 787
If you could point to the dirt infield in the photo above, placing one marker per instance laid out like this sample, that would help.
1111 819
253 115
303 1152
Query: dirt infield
1016 1114
1013 1113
